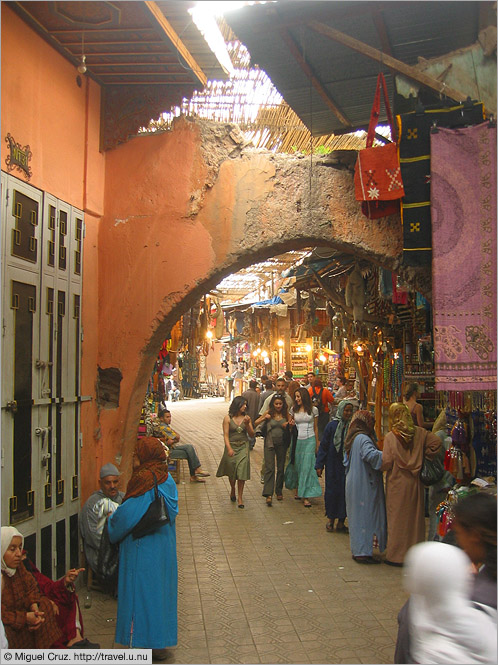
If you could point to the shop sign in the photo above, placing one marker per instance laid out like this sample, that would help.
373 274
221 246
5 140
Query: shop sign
19 157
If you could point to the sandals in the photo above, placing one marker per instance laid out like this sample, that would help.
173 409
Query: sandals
196 479
233 497
241 505
329 527
280 497
268 501
202 474
306 503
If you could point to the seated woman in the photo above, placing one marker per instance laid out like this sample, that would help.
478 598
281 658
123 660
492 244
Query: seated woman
28 617
65 604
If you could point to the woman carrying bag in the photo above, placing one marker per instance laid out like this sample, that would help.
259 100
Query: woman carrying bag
148 584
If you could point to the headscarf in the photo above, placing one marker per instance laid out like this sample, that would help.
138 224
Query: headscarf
440 423
152 456
401 423
445 626
343 425
362 422
9 532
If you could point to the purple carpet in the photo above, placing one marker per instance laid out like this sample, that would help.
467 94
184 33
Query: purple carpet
463 208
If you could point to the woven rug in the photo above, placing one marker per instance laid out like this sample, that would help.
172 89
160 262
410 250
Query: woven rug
463 200
415 161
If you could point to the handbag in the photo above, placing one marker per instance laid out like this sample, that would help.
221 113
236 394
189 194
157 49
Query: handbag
108 559
432 470
155 516
377 175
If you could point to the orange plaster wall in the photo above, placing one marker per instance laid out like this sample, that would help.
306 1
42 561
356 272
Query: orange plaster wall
150 253
43 107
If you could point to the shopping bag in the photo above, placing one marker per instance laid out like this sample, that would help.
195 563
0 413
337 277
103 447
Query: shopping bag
377 176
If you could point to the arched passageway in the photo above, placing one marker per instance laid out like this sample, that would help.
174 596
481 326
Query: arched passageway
184 209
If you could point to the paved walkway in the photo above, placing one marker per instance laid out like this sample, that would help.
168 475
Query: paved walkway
263 585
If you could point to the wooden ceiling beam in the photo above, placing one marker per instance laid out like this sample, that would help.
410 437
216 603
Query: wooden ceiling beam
296 53
146 83
89 31
390 62
133 63
176 41
115 54
101 42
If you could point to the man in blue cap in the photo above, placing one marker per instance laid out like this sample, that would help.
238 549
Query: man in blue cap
94 512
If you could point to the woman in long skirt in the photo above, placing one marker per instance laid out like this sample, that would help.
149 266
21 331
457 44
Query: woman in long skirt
235 463
365 501
148 584
305 417
331 455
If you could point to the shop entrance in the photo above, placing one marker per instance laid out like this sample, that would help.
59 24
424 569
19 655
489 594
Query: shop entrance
42 240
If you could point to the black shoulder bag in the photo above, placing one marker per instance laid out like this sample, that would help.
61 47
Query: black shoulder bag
155 516
108 559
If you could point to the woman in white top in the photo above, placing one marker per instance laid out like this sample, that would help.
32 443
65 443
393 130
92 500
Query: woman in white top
305 417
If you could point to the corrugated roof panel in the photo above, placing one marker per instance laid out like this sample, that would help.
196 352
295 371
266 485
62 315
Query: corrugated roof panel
414 29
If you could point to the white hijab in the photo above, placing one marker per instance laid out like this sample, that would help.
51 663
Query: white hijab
446 627
9 532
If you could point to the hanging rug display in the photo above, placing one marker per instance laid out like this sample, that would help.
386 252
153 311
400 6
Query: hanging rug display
463 187
415 161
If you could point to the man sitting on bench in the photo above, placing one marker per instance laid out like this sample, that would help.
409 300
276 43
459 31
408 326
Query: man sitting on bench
164 431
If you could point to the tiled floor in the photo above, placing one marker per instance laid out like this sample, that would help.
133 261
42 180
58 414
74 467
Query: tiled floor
263 585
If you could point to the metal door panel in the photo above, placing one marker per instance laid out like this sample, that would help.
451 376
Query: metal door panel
54 272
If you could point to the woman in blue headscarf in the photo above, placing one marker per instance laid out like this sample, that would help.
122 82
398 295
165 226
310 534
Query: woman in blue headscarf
330 454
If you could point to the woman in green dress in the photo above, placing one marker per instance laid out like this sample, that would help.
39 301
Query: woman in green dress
237 428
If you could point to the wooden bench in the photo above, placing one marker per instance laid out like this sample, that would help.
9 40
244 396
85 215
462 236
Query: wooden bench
175 468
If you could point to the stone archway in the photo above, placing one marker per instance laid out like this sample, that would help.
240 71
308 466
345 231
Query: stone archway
187 207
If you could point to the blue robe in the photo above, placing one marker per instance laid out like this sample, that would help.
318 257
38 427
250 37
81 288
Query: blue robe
365 501
335 474
148 576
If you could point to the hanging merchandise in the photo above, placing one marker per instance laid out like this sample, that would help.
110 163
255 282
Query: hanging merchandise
484 442
464 262
377 175
415 160
355 293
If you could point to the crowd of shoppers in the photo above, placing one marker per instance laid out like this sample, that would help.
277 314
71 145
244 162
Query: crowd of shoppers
450 616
